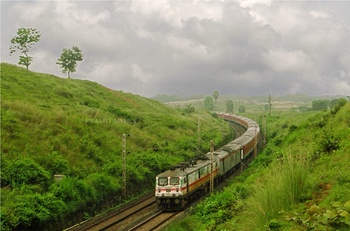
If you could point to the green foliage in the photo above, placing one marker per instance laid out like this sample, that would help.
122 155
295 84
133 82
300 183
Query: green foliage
51 125
186 224
215 95
292 128
23 172
320 104
337 104
324 104
69 58
55 163
189 109
328 142
75 193
336 217
104 186
292 191
30 211
303 108
229 106
219 208
284 188
23 42
241 109
209 103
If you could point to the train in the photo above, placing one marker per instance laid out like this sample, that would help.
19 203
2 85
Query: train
182 183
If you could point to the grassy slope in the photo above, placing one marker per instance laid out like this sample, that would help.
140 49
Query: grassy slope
74 127
301 181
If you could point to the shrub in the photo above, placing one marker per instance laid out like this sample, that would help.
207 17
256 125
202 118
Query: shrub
328 142
55 164
292 128
104 185
24 172
74 192
30 211
219 208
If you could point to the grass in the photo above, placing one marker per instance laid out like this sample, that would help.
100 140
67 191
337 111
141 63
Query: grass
283 187
300 181
74 127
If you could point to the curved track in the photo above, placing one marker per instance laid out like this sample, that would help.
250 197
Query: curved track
142 214
121 217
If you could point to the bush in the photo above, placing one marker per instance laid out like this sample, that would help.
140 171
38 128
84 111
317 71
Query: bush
75 193
292 128
56 164
104 185
30 211
328 142
219 208
24 172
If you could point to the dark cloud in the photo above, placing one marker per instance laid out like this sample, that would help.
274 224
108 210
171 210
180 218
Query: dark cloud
192 47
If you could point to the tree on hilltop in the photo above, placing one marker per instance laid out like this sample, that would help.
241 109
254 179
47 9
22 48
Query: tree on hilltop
25 39
69 58
209 103
215 95
229 106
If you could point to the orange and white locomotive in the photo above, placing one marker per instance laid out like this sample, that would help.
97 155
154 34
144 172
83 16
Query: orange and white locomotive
189 180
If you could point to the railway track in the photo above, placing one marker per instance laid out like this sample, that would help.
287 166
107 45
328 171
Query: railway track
142 214
154 222
239 129
123 218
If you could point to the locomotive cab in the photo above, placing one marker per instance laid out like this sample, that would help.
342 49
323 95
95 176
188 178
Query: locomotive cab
169 191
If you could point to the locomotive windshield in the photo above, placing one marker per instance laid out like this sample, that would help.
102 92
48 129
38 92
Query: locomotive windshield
162 181
174 180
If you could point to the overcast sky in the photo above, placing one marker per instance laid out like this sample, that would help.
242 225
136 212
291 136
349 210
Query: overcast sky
183 47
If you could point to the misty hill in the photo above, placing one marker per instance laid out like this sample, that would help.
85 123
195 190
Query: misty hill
53 126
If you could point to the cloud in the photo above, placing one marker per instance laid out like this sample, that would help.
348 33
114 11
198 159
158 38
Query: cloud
192 47
295 61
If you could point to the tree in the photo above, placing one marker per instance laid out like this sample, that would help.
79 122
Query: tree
270 104
209 103
189 109
229 106
69 58
25 39
215 96
320 104
241 109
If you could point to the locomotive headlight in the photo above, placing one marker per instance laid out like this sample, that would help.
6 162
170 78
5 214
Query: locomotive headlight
177 189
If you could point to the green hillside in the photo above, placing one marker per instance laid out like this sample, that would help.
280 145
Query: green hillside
300 181
70 127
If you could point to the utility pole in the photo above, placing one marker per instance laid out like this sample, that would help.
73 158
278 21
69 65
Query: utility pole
199 136
124 165
211 166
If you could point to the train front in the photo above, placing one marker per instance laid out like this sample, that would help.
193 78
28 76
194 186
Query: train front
170 190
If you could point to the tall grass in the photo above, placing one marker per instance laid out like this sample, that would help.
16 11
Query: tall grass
74 127
281 189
